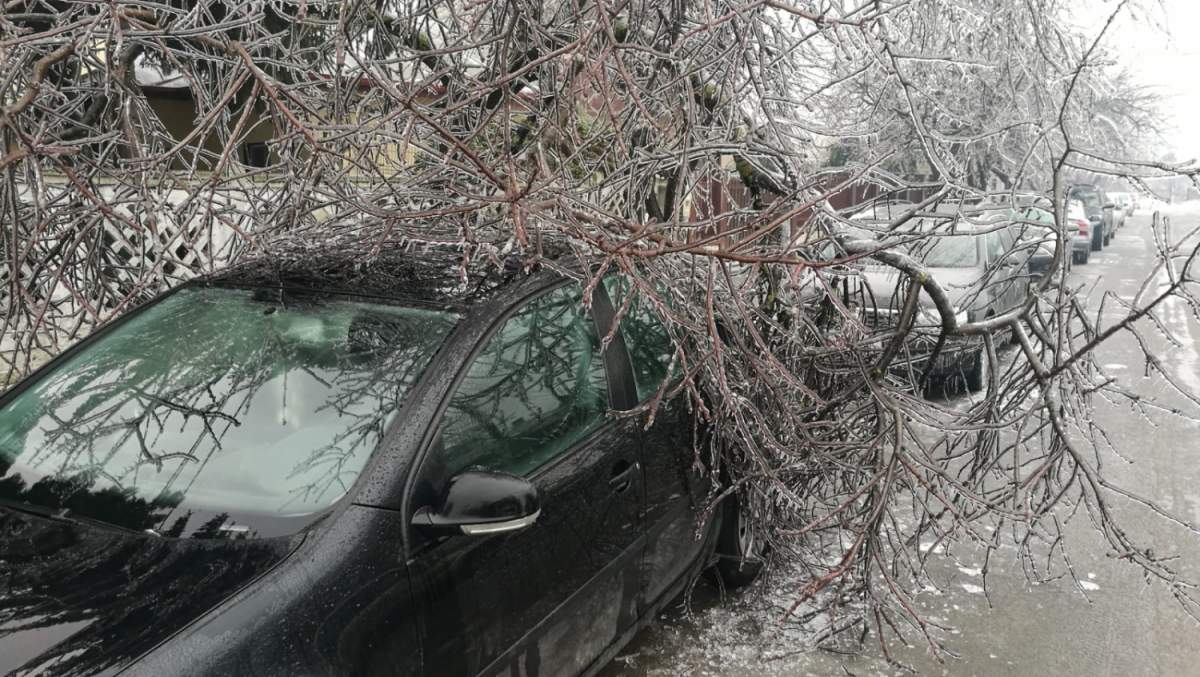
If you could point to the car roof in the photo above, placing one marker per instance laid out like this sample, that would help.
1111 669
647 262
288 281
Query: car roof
965 217
435 276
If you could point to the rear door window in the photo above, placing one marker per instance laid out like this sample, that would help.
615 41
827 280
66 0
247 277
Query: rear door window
995 247
646 339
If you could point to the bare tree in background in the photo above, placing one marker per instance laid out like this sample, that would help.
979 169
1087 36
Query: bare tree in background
706 152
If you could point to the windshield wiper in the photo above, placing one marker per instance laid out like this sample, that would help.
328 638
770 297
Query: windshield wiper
66 516
92 521
35 510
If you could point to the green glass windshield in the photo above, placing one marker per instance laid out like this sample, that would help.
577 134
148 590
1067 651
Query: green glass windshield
216 405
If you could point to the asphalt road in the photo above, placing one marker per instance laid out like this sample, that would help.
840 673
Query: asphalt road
1113 624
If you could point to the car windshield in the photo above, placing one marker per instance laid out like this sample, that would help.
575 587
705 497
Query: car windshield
216 412
955 251
938 250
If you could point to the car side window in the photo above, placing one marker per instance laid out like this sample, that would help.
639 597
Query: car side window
995 247
536 388
1032 232
646 339
1008 239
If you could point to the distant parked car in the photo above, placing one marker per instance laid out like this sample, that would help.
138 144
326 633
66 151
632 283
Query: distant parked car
1125 202
1081 241
1099 212
402 473
1037 232
976 259
1118 214
1076 231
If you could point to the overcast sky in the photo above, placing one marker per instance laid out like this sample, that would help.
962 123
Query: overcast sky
1162 45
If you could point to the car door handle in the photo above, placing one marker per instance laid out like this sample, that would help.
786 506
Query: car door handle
622 476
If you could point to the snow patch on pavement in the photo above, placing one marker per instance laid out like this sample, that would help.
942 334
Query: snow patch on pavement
1177 319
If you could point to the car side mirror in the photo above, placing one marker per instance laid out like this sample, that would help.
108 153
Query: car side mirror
1109 205
480 502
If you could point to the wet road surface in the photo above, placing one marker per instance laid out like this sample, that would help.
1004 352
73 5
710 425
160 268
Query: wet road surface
1111 624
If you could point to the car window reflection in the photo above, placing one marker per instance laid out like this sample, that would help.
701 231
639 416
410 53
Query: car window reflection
537 387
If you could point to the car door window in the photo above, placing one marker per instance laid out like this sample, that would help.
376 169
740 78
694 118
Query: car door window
646 339
995 247
535 389
1008 242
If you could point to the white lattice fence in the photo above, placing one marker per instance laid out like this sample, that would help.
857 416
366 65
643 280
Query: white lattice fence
81 263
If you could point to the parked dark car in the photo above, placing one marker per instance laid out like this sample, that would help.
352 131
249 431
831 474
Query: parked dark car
390 471
1099 209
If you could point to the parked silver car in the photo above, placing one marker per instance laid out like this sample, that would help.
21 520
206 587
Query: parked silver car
1036 225
972 251
1118 213
1124 201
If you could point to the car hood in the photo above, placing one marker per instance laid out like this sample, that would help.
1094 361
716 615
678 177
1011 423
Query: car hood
961 284
78 599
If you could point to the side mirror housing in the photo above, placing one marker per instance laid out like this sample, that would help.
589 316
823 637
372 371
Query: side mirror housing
1109 205
480 502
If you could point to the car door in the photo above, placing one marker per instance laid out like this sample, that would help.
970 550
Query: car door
1004 268
676 489
546 600
1016 269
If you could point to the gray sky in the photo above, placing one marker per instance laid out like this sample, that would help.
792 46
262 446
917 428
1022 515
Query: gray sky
1162 45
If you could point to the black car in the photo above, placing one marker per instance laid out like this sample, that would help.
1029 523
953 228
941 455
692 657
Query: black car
411 471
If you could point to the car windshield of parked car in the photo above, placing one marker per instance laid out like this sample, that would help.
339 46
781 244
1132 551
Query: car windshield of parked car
236 411
948 251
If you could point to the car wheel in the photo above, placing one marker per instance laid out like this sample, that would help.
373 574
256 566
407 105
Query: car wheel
977 375
1097 241
741 554
1081 258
